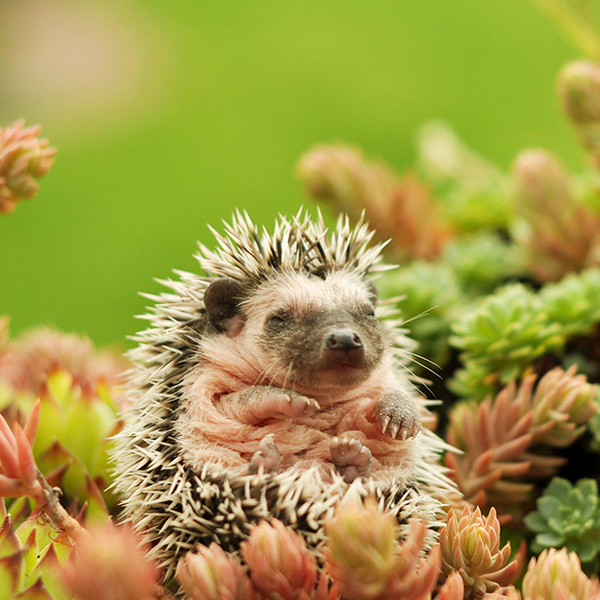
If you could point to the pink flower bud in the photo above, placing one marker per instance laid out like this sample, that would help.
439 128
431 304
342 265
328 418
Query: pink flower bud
281 566
211 574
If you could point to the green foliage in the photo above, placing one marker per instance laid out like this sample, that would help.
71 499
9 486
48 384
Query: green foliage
427 295
500 339
573 302
568 516
483 261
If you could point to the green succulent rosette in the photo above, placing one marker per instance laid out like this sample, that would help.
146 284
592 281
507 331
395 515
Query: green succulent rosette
568 516
426 294
501 338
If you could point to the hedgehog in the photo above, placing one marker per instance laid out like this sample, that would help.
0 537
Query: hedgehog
270 387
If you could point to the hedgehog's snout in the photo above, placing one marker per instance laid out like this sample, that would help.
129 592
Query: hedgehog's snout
343 347
344 340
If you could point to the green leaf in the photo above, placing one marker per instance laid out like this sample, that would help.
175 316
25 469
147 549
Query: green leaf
88 422
549 540
586 550
549 506
535 522
559 488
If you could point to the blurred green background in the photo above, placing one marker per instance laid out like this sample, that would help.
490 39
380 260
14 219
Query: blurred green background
169 114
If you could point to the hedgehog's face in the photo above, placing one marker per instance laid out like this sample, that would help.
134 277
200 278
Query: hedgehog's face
304 332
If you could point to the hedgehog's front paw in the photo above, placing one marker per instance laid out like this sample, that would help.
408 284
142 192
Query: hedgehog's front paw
295 405
266 456
350 458
397 416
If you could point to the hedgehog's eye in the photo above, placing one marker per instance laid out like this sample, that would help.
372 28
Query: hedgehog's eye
279 319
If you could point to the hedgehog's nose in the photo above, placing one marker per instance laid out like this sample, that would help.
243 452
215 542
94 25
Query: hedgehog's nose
343 339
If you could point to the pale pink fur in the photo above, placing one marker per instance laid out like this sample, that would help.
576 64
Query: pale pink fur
210 430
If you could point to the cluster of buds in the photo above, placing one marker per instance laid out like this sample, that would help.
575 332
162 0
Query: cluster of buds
24 158
470 546
399 208
366 561
579 93
562 234
497 437
279 563
75 386
557 575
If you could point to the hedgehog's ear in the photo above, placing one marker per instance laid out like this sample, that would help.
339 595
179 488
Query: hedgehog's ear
222 300
373 293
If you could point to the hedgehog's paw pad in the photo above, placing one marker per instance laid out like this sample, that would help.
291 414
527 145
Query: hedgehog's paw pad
350 458
266 456
399 423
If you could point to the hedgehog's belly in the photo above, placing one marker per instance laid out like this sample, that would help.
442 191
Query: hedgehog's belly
302 446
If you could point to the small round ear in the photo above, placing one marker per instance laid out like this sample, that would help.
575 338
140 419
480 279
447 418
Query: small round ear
222 299
373 293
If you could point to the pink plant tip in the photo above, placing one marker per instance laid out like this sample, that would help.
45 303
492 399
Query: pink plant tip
24 158
210 573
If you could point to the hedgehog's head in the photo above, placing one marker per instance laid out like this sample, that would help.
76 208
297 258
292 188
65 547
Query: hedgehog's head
307 332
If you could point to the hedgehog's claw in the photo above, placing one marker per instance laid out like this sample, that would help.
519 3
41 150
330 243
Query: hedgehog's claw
396 416
303 406
384 422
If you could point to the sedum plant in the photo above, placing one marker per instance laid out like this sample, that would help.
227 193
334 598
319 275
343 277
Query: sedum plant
499 339
557 575
568 516
24 158
470 545
76 389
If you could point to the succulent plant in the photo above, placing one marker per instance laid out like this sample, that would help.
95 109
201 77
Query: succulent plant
76 388
366 562
568 516
31 559
561 234
483 261
505 439
400 208
562 405
281 566
579 94
111 563
557 575
573 302
24 158
210 573
498 340
493 437
474 191
470 545
426 295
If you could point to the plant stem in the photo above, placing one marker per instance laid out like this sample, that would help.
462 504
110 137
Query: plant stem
574 24
60 518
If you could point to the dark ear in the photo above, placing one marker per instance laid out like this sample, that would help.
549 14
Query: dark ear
222 300
373 293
